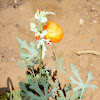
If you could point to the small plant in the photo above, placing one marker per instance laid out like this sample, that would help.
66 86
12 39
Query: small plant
14 95
38 85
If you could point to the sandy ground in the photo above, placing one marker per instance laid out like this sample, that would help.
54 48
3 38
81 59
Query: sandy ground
80 21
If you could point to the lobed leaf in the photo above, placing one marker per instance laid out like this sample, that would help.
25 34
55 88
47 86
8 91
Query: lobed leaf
59 63
81 88
38 93
80 83
27 53
76 95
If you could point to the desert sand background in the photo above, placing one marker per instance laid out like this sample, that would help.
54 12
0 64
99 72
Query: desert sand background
80 21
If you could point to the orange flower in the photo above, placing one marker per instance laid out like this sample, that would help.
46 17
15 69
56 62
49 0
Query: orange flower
38 37
55 32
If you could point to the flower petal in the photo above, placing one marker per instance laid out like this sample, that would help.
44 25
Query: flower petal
50 13
37 33
44 32
43 19
34 29
32 25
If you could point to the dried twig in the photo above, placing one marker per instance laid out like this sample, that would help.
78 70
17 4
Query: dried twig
87 52
3 51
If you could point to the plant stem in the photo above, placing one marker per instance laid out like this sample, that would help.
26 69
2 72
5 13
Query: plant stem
82 93
40 62
11 95
33 72
40 53
40 27
56 62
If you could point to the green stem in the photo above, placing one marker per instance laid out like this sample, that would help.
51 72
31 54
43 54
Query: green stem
81 93
40 53
56 62
33 72
11 95
40 27
40 63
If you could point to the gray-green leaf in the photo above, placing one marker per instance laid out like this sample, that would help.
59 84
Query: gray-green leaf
36 87
80 83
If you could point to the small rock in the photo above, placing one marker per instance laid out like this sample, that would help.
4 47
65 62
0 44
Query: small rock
92 65
94 21
14 6
13 59
15 1
93 9
81 21
2 56
93 40
16 25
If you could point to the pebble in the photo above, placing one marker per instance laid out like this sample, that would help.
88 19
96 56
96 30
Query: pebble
81 21
92 65
93 8
2 56
13 59
16 25
93 40
15 1
94 21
